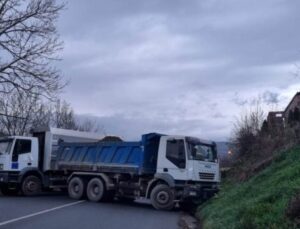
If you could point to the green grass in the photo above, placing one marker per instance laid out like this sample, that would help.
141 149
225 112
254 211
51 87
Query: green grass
259 202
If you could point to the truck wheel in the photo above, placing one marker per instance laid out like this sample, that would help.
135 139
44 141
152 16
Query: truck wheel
162 197
76 188
95 190
31 186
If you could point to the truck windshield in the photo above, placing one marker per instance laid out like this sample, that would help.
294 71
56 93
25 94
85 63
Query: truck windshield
200 151
5 146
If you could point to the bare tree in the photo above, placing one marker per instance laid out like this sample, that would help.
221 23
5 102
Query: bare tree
63 116
28 44
247 129
89 124
21 113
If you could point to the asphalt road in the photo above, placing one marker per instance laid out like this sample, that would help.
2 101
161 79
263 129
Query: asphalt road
58 211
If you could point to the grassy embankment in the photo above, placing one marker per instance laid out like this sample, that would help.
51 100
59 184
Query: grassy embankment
261 201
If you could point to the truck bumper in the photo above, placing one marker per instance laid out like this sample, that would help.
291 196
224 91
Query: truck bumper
200 192
7 177
3 178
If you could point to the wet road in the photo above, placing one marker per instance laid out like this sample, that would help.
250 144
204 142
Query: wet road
58 211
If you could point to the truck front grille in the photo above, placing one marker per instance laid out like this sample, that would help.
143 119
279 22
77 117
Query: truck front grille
207 176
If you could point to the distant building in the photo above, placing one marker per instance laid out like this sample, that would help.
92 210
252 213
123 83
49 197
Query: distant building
275 119
295 102
278 119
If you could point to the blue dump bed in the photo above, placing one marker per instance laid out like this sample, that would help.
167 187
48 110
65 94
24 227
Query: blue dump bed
121 157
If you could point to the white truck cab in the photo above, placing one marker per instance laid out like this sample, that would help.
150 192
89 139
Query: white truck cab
186 158
190 160
17 153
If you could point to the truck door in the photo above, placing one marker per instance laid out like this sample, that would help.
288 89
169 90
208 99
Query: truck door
172 158
5 150
21 156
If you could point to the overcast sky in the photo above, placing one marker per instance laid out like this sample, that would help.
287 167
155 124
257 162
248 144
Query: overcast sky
177 66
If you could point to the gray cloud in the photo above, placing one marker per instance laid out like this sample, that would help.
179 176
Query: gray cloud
270 97
175 67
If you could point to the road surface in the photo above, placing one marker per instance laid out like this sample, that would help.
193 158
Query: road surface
58 211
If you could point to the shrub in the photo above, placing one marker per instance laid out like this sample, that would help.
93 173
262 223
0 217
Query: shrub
293 209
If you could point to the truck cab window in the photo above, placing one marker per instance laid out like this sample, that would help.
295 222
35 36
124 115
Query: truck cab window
5 146
176 152
21 147
201 152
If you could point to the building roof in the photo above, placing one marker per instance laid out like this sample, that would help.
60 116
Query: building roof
297 94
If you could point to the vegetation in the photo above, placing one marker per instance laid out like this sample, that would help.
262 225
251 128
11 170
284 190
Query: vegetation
22 112
29 43
269 199
30 84
262 187
255 140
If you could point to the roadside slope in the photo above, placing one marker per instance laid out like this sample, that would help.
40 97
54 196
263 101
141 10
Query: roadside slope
260 202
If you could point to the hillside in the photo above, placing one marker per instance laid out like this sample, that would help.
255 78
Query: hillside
264 201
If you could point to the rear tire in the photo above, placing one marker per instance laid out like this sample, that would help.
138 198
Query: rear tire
31 186
162 197
76 188
96 190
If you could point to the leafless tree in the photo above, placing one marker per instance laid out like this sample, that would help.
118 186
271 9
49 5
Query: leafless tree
246 130
63 116
21 112
89 124
296 71
28 43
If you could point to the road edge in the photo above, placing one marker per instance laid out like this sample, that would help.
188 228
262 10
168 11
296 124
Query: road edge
187 221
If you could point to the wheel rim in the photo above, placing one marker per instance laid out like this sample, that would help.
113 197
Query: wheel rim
96 189
163 197
76 188
31 186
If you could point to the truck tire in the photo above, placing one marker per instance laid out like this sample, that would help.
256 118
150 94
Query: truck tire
76 188
95 190
162 197
31 186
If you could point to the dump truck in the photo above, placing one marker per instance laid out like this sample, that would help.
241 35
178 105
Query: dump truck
26 161
165 169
